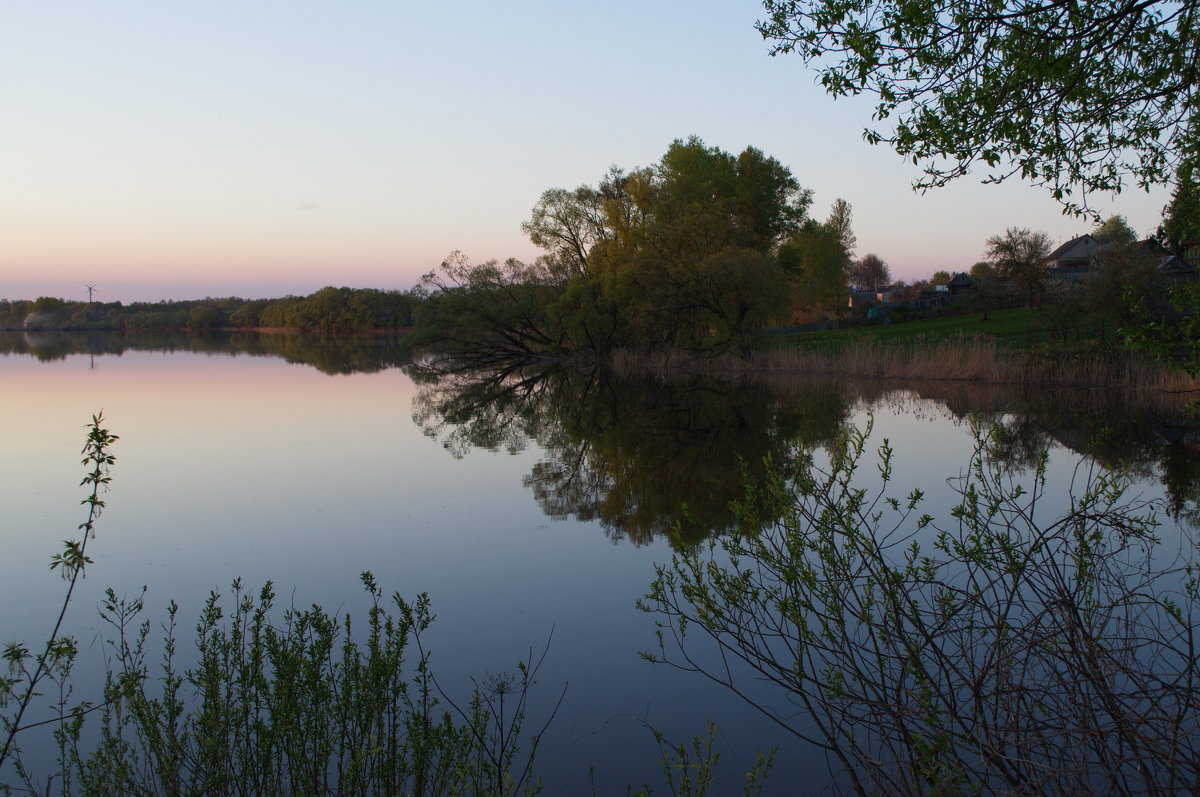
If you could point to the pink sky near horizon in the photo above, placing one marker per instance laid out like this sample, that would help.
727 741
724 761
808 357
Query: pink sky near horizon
164 151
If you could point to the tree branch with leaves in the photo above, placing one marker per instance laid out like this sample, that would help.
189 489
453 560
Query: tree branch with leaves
26 671
1079 97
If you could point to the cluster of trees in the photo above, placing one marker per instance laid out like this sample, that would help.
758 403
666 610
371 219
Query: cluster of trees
332 309
870 273
327 310
704 246
694 251
47 312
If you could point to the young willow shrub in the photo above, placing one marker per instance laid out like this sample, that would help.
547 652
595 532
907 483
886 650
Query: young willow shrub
276 703
1014 646
299 706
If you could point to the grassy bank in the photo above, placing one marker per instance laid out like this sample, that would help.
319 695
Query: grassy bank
1014 330
1008 329
1011 328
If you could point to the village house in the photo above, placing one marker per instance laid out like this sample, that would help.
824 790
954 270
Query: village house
881 303
862 299
1173 268
1074 260
960 283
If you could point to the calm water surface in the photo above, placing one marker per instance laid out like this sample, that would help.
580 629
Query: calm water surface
533 515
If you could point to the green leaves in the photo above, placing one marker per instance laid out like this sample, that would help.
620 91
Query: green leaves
680 253
72 560
293 702
54 662
1078 97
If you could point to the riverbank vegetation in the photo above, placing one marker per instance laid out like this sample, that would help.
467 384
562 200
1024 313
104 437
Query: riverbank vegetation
1009 329
704 254
694 251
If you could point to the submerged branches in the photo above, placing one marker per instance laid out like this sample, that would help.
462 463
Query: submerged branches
489 314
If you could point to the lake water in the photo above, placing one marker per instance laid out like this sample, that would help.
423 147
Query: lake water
532 513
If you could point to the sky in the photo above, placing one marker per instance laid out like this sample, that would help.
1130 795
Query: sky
259 149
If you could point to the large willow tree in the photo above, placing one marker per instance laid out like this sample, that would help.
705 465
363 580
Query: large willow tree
681 253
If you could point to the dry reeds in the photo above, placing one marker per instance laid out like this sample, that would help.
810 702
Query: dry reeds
963 360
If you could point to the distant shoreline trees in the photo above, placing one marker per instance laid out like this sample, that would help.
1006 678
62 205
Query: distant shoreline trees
327 310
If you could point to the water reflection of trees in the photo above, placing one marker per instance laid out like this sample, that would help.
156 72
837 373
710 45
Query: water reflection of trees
330 354
1150 436
630 454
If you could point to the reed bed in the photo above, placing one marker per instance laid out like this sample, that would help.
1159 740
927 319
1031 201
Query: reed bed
964 360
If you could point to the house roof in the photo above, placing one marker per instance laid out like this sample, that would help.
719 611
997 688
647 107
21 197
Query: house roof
1176 264
1079 247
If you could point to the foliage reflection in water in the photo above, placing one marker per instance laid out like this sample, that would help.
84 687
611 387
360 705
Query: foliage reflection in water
631 453
626 454
330 354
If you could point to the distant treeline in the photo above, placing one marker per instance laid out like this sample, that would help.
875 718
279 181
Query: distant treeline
327 310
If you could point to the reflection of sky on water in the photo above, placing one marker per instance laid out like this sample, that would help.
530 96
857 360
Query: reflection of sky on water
255 468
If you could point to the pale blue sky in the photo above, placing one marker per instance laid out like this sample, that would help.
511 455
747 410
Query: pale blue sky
178 150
